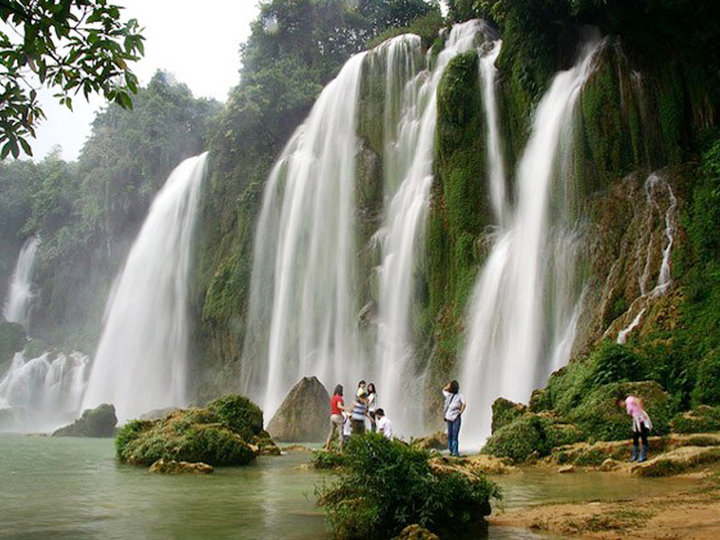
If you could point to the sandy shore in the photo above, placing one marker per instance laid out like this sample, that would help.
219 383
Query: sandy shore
690 511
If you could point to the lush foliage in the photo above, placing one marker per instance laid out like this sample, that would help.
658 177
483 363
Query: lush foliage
97 422
707 385
87 213
328 460
220 434
386 485
72 46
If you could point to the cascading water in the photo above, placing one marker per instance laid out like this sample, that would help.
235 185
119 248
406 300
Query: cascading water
43 393
141 360
305 251
17 303
301 318
496 161
519 317
411 159
657 189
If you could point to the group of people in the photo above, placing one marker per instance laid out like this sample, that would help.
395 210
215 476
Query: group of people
346 421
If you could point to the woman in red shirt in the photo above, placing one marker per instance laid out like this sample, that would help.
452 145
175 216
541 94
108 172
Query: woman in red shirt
337 406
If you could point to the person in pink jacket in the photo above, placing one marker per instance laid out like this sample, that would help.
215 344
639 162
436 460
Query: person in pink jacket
641 425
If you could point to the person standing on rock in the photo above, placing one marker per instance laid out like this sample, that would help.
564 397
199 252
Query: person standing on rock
336 416
641 425
372 405
453 409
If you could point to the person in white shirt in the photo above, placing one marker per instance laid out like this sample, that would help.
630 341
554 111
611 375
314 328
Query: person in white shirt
453 409
384 425
347 426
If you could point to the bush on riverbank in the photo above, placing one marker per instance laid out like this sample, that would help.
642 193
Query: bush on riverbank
226 432
387 485
700 420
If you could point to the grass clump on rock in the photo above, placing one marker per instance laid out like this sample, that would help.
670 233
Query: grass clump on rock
226 432
387 485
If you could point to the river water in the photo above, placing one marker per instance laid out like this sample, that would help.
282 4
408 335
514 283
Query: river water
74 488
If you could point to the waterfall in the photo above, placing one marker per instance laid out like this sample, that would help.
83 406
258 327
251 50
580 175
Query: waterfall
496 162
526 298
141 359
411 160
302 311
43 393
17 303
304 306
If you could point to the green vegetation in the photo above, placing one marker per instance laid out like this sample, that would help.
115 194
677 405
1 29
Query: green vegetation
88 212
97 422
699 420
328 460
226 432
72 46
386 485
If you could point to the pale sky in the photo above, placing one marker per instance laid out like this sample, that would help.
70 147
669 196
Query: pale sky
198 42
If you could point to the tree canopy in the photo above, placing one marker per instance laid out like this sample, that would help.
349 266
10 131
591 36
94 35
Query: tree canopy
70 46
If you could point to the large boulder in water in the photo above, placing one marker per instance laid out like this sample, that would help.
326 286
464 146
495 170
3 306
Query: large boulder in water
98 422
303 415
228 431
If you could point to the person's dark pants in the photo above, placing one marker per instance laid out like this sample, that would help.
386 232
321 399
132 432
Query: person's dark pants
638 436
358 427
453 434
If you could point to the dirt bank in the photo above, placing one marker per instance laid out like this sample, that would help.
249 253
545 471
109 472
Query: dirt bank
692 510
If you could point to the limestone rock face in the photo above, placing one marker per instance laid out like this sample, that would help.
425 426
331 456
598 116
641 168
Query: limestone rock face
98 422
180 467
303 415
436 441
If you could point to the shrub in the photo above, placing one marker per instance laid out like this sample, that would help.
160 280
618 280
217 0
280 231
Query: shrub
519 439
707 384
387 485
612 362
239 414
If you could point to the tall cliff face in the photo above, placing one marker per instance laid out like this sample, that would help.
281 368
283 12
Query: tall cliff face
638 127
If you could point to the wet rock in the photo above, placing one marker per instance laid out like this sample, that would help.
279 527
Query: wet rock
303 415
98 422
436 441
416 532
12 340
566 469
678 461
295 448
609 465
180 467
470 467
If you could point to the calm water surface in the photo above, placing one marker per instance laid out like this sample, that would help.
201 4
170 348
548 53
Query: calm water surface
74 488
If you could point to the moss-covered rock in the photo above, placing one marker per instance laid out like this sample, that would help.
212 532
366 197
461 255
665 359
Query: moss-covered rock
519 439
700 420
180 467
226 432
98 422
678 461
599 417
505 411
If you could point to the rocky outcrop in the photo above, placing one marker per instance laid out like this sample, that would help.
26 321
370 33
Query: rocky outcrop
303 415
98 422
180 467
436 441
505 411
228 431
